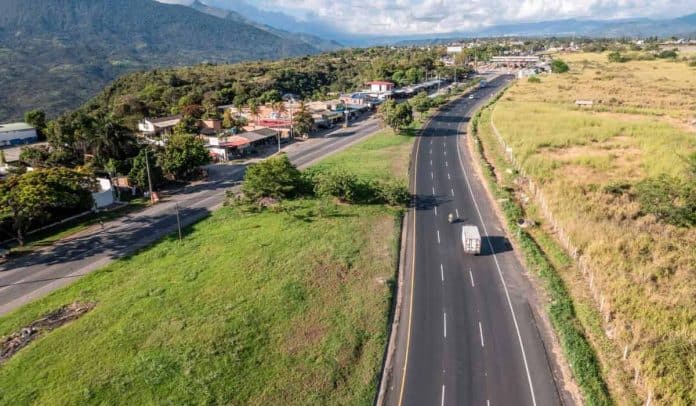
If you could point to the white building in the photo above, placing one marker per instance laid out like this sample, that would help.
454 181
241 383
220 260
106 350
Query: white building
105 196
17 134
381 86
157 126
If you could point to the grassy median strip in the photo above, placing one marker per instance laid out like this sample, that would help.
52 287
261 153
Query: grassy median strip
285 306
576 348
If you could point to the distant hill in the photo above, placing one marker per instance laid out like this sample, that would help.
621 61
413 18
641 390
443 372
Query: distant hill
638 27
297 37
55 54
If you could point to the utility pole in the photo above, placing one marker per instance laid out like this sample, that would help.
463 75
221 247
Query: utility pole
178 220
278 132
149 178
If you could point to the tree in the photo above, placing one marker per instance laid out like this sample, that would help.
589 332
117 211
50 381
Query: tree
227 119
37 119
183 155
421 103
303 122
112 141
254 110
34 156
275 177
187 125
559 66
397 115
138 173
33 196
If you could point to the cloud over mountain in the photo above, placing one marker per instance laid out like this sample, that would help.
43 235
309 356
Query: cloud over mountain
397 17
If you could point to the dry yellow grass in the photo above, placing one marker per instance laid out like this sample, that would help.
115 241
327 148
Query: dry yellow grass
639 127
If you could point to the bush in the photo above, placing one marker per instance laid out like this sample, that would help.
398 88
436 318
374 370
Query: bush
669 199
534 79
340 184
559 66
667 54
394 193
616 57
274 177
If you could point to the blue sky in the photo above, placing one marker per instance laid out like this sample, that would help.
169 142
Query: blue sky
398 17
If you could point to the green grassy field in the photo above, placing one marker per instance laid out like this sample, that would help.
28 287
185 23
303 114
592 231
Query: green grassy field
639 128
288 306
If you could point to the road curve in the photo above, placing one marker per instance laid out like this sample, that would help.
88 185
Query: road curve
467 333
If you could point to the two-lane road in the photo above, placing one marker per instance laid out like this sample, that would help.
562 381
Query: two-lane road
467 335
27 278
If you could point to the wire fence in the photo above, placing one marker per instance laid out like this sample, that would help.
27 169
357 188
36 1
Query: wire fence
589 272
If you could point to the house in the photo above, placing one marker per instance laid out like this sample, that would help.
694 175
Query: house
380 86
226 148
17 134
158 126
260 136
210 126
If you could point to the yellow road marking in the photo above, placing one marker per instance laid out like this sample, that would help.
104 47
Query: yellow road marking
413 272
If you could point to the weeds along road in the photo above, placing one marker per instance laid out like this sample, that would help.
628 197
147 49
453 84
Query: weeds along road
29 277
467 334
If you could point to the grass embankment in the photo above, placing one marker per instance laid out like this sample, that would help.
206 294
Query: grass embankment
285 306
639 128
577 350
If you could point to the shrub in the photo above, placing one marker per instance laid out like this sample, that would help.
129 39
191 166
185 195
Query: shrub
616 57
394 193
534 79
669 199
667 54
559 66
274 177
339 184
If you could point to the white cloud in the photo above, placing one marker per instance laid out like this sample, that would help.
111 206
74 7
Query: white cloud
387 17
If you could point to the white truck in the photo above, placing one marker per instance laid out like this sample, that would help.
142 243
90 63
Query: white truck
471 240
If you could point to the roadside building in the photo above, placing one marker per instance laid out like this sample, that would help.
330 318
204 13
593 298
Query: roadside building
584 103
158 126
380 86
17 134
260 137
225 148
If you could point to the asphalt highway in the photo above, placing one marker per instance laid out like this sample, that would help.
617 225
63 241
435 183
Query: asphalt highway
468 334
34 275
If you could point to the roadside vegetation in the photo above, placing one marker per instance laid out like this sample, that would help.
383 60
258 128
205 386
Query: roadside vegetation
284 304
618 177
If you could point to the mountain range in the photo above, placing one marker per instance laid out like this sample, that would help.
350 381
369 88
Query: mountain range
55 54
636 27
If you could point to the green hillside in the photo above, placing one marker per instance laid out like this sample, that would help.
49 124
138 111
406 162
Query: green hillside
56 54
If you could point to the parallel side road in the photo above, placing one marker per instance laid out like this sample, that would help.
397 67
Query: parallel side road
467 334
34 275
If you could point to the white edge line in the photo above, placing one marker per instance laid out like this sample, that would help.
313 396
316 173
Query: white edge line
481 334
500 274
